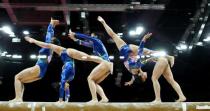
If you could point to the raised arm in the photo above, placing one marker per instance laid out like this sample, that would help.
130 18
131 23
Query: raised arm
50 33
129 83
84 43
50 30
107 28
81 42
141 46
83 36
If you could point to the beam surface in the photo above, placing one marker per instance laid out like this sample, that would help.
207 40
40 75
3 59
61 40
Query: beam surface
78 106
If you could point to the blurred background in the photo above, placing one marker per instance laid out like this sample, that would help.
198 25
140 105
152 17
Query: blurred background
179 27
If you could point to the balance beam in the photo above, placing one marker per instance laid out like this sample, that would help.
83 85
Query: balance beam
78 106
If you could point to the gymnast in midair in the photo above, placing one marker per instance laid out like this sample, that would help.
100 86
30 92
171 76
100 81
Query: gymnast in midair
132 60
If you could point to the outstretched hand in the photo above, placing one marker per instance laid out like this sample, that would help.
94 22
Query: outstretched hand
29 39
143 76
54 22
100 19
129 83
147 36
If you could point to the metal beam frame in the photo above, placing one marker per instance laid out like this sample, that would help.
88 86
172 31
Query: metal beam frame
66 8
10 11
66 13
36 23
87 7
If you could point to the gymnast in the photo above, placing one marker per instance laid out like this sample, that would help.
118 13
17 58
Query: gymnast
132 55
67 56
100 72
38 71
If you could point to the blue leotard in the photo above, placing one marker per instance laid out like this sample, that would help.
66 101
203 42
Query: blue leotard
98 47
68 72
129 61
43 62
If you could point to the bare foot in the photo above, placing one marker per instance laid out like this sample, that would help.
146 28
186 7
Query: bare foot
171 60
104 100
92 101
29 39
16 100
156 101
182 99
59 101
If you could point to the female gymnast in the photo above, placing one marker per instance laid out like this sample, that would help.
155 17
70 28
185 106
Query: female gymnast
162 66
38 71
100 72
67 56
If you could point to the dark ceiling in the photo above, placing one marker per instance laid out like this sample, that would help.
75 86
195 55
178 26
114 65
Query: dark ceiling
174 19
167 25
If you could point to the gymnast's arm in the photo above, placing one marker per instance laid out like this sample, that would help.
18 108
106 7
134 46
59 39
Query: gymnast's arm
107 28
49 58
141 46
129 83
73 36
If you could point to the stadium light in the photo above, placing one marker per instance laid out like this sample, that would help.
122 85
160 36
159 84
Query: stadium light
132 33
83 15
15 56
122 57
42 56
206 39
7 30
159 54
8 55
4 53
120 34
111 57
181 46
200 43
26 32
16 39
12 35
139 30
33 56
190 47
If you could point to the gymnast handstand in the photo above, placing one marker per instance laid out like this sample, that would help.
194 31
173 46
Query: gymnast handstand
38 71
101 71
